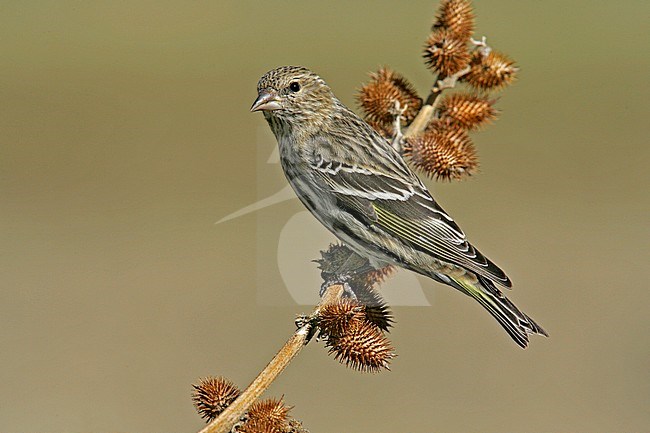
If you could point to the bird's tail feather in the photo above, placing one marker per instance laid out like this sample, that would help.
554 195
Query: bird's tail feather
513 320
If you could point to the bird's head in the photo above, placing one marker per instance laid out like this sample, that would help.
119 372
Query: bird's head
293 95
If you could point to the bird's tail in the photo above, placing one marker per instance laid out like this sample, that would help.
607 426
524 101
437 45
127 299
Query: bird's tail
513 320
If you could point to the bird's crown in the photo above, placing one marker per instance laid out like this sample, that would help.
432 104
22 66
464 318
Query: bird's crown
280 78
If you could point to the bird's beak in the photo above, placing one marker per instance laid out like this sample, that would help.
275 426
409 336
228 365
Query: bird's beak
267 100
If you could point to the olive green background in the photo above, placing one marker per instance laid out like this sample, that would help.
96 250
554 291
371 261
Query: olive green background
125 134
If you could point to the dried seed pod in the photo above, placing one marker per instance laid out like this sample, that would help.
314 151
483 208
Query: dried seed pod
445 153
378 276
457 16
212 395
372 277
490 71
364 348
339 260
385 130
267 416
376 309
445 53
378 97
467 110
336 318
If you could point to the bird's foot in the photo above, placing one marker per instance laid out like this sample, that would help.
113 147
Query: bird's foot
303 320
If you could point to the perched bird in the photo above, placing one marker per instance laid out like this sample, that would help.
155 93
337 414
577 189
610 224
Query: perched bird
360 188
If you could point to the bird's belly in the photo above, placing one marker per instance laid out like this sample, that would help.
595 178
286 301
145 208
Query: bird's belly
323 205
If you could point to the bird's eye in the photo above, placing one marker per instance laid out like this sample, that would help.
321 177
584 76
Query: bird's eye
294 87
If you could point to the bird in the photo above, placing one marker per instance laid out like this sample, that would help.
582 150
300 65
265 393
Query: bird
360 188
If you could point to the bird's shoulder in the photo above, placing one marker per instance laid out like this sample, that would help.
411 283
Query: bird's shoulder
348 141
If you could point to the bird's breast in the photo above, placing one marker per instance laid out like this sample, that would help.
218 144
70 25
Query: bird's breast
309 188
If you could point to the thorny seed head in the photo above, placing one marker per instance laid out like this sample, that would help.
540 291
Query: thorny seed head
364 347
378 276
467 110
212 395
492 71
376 309
444 153
378 97
339 261
267 416
386 130
338 317
457 16
445 53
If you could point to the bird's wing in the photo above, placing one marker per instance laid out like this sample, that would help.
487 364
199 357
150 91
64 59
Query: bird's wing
383 192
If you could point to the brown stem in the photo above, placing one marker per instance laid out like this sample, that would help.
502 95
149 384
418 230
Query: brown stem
233 413
428 110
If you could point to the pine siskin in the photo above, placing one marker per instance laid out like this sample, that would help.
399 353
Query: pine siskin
360 188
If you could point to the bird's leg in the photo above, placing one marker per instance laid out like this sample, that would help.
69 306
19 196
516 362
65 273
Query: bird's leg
302 321
398 138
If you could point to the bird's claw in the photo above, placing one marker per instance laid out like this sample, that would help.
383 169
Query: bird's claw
302 320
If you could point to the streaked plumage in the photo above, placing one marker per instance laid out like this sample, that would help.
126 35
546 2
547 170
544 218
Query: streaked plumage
360 188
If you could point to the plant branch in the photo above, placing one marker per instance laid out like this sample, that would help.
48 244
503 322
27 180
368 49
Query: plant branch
427 111
234 412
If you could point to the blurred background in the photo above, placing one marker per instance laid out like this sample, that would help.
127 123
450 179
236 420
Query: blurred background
125 135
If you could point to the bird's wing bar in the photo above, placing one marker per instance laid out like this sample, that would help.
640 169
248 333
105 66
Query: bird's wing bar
404 208
419 224
364 182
